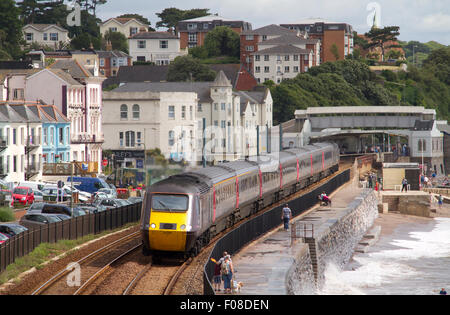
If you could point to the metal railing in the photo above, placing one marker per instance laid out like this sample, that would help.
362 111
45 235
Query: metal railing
252 229
25 242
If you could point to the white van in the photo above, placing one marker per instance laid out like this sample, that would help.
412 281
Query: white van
32 185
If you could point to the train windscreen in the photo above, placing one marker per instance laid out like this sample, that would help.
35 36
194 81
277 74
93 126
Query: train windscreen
169 203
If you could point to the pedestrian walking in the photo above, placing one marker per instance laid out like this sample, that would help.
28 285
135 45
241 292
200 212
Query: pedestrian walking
405 184
286 216
443 292
440 201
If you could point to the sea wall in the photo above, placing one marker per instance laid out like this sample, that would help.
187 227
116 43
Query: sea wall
333 240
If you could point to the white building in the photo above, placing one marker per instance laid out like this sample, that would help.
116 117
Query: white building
45 34
158 47
127 26
171 116
20 145
281 62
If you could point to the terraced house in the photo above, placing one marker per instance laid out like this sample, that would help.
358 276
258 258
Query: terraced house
20 144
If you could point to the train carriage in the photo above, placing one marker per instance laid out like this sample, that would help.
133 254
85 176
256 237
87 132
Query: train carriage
183 212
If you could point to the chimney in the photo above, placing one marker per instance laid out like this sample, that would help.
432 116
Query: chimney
108 45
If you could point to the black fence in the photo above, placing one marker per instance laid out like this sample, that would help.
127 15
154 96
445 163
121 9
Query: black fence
94 223
249 231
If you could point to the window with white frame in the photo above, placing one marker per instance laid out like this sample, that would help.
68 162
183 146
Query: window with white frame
295 68
257 57
192 37
192 26
295 57
266 69
266 57
286 58
29 36
130 139
136 112
249 48
163 44
183 112
171 112
286 69
54 37
121 139
171 138
141 44
123 112
249 37
257 69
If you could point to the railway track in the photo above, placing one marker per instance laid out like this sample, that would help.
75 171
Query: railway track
88 266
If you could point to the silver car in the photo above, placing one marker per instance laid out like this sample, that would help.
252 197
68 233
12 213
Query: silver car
38 196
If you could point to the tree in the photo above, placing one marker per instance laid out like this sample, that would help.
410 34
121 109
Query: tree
117 39
138 17
43 11
10 30
90 5
170 17
335 51
185 68
222 41
379 37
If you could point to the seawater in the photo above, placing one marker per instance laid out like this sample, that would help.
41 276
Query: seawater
414 260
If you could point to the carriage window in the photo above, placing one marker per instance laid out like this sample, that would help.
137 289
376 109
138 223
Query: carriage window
170 202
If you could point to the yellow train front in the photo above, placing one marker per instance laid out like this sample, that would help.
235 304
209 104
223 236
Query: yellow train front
170 219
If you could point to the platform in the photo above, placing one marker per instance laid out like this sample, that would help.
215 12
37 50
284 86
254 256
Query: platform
263 265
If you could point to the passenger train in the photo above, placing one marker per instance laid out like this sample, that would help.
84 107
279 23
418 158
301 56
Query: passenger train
183 212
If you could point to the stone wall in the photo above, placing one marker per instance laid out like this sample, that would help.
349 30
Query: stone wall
300 277
336 239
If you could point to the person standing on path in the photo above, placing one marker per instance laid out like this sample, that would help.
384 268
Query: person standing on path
227 274
286 216
405 184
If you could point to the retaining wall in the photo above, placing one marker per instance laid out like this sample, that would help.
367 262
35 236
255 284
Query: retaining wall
335 239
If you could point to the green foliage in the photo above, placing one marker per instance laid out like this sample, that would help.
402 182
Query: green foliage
171 16
198 52
10 30
335 51
6 214
380 36
222 40
183 67
138 17
117 39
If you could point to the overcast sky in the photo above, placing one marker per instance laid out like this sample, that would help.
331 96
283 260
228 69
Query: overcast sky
421 20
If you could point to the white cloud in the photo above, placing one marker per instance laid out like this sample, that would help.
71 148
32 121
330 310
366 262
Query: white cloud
438 22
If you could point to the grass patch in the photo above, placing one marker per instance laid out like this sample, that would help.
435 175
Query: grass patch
6 214
47 251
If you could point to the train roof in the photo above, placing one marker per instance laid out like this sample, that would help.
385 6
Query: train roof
214 173
181 183
242 166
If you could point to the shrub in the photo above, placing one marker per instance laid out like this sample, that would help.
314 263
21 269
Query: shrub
6 214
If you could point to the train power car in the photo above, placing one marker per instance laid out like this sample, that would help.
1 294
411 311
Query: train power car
183 212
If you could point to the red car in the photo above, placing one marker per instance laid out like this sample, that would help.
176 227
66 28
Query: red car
24 195
3 238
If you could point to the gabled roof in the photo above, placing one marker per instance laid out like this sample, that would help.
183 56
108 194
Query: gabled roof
154 35
72 67
221 80
112 53
269 30
208 18
283 49
123 21
44 27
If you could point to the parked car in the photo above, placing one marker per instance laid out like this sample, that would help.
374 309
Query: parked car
38 219
51 193
53 208
23 195
110 203
135 199
3 238
32 185
38 196
88 184
109 192
11 229
92 208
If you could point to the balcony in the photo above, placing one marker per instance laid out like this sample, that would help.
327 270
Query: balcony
3 144
80 168
32 143
31 170
87 138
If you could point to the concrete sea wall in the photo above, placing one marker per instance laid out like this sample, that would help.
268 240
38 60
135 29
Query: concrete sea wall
334 240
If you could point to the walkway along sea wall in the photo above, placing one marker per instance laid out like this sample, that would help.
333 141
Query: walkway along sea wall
334 240
251 230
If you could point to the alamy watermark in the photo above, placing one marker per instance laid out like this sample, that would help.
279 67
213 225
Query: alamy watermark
74 17
73 279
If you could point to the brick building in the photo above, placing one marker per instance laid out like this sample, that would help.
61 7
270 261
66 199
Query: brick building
329 33
192 32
